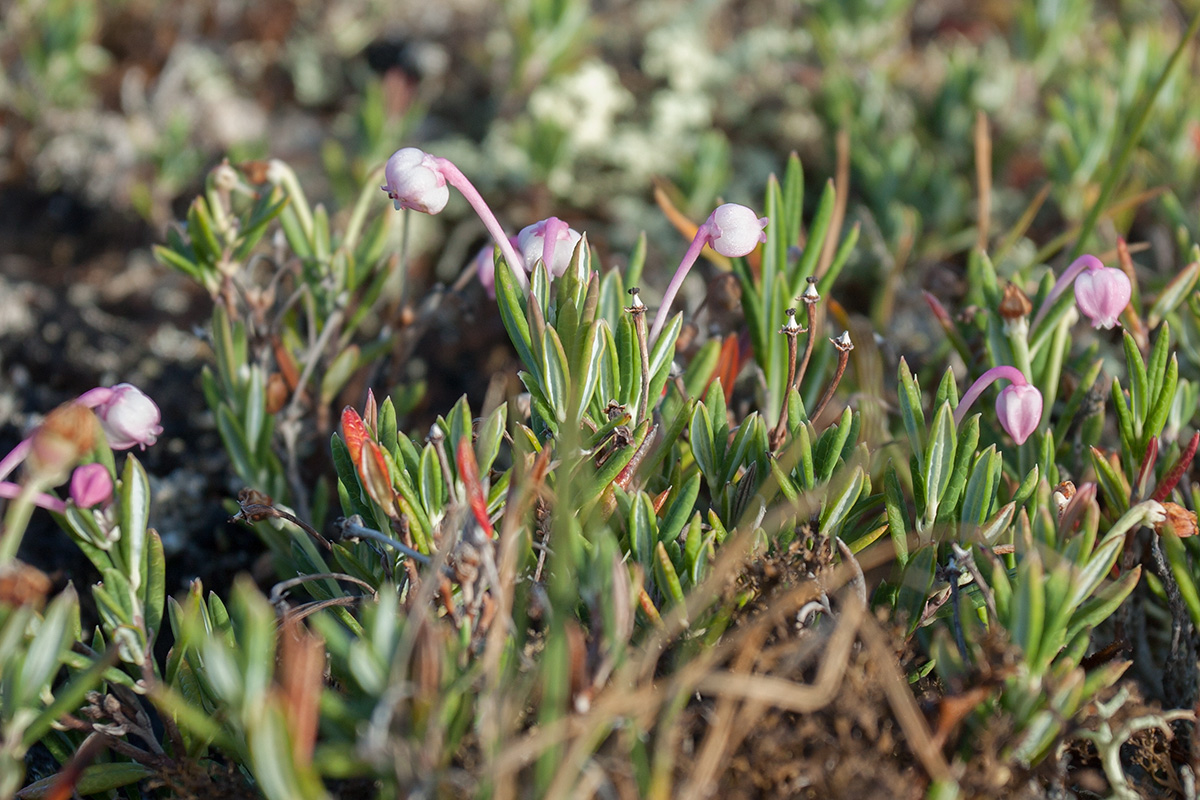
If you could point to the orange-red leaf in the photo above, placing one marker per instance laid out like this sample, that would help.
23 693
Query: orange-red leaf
468 472
375 477
355 433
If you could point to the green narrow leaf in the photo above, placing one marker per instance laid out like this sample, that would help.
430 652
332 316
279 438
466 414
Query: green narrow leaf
1112 484
629 362
134 517
681 510
557 375
1124 417
910 411
947 391
981 490
1161 408
1104 602
968 440
587 368
643 533
1138 381
200 229
836 510
897 513
637 260
491 434
939 459
1029 607
831 445
1157 365
511 304
786 486
700 434
154 590
668 578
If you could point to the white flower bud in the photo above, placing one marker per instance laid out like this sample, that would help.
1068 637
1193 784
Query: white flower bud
414 180
736 230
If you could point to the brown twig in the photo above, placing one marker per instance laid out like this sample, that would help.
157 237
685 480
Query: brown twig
811 298
844 346
791 329
250 510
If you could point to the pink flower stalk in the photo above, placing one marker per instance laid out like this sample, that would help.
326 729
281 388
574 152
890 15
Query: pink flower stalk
129 418
10 491
91 485
732 230
551 240
417 180
1018 407
1100 292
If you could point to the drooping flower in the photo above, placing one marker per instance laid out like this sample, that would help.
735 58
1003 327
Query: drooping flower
551 240
732 230
418 180
735 230
414 180
1100 292
91 485
129 418
1018 406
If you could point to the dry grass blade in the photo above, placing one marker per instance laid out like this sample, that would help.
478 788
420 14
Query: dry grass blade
983 174
301 673
904 705
762 691
841 196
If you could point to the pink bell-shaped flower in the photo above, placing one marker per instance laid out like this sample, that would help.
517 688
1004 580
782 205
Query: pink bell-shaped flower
91 485
1102 294
551 240
734 230
420 181
1018 407
414 180
129 418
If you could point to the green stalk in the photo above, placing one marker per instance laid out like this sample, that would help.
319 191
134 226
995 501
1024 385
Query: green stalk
1142 117
15 522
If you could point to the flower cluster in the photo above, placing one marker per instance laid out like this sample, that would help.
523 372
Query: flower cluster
419 181
126 415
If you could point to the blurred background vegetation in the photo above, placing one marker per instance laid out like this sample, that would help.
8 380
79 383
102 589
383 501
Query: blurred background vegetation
576 107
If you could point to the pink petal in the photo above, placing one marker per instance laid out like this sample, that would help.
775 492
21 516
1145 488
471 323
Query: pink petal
1019 409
